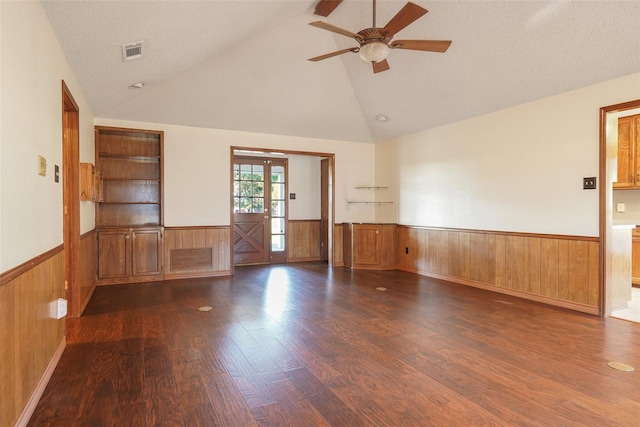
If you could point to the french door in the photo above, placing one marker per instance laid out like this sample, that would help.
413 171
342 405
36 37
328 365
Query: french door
259 210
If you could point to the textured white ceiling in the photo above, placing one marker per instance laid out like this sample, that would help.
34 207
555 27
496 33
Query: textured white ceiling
242 65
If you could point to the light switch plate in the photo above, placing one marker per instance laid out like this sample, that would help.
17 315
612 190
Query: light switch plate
620 207
42 166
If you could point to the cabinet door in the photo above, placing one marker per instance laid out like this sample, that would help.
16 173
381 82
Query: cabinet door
626 153
114 247
635 140
146 252
635 258
366 245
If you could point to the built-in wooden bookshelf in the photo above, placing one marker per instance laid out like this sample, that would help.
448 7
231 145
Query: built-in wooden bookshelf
131 167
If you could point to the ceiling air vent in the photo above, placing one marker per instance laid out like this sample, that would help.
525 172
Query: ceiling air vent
131 51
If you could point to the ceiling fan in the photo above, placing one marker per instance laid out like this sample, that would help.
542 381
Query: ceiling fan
375 42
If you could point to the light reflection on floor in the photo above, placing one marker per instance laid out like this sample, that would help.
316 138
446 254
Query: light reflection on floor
277 292
627 313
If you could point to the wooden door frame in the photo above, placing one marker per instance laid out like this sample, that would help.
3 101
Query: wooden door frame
331 189
71 199
606 206
324 217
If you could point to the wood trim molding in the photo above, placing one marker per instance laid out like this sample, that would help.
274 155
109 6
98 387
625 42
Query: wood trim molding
508 233
19 270
23 419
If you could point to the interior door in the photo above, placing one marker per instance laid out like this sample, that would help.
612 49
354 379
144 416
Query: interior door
250 219
259 210
278 202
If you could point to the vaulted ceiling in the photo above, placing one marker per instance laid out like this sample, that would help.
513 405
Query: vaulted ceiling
242 65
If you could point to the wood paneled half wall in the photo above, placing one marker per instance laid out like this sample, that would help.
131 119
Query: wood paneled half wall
303 240
554 269
197 251
32 341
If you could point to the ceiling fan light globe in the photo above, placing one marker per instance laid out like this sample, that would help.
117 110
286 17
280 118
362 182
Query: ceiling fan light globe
374 52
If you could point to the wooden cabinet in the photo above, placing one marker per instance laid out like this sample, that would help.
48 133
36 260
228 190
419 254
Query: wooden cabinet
129 255
369 246
90 183
628 152
129 217
635 256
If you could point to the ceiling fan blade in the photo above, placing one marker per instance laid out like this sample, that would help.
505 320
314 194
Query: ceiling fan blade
380 66
325 7
409 13
336 53
426 45
323 25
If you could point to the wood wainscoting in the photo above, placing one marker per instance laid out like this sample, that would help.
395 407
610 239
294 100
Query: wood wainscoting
88 269
303 240
197 251
338 245
554 269
32 341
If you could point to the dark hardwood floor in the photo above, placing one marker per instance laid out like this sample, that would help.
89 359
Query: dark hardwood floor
306 345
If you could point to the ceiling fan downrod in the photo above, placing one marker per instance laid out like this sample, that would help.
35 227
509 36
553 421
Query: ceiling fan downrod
374 14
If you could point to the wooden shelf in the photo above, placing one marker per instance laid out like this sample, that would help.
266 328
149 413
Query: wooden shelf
132 179
129 157
130 203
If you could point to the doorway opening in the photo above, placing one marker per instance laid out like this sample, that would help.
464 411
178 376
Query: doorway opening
266 224
608 165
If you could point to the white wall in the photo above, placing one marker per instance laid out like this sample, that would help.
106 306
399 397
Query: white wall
304 181
197 170
518 169
32 67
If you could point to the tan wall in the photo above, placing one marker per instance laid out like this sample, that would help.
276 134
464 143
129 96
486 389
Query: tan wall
31 340
558 270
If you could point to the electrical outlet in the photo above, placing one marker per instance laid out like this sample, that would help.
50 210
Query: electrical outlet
589 183
620 207
58 308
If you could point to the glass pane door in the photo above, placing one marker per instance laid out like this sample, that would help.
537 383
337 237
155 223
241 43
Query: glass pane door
259 210
278 210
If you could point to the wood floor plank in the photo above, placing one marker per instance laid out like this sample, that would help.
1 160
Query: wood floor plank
300 411
228 402
305 344
334 410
